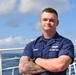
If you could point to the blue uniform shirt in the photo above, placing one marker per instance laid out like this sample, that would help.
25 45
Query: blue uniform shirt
52 48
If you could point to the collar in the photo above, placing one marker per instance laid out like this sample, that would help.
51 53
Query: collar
56 37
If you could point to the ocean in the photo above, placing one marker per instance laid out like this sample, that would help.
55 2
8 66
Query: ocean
11 63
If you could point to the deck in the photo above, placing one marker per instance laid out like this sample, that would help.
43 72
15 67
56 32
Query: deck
71 69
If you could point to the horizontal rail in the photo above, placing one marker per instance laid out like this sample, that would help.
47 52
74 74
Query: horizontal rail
10 68
15 58
74 44
11 49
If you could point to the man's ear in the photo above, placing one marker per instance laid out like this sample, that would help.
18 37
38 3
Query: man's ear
40 22
57 22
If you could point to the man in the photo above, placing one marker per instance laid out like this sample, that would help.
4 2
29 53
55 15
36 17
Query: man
49 54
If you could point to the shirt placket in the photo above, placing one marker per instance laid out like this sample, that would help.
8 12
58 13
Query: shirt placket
47 47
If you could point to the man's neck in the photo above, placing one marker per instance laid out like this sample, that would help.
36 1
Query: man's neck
48 35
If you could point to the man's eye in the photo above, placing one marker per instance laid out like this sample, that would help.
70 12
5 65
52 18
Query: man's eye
50 20
44 19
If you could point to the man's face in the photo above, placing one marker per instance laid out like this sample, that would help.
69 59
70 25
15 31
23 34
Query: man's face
49 21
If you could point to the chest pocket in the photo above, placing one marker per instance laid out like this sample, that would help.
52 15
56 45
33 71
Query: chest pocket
53 53
36 53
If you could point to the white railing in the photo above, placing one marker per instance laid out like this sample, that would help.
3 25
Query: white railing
9 68
13 68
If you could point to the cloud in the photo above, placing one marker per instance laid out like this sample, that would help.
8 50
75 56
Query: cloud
72 37
37 6
34 6
37 26
11 42
6 6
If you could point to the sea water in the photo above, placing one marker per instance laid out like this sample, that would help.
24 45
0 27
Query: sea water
10 63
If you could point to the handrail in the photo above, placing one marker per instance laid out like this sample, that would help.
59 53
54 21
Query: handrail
11 49
9 68
15 49
11 58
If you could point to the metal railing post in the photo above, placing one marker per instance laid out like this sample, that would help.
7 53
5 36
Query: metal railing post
0 64
74 67
13 71
69 69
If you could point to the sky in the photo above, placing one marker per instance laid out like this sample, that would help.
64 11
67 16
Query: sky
19 20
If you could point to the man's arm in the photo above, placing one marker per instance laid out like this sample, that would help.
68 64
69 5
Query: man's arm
26 66
54 64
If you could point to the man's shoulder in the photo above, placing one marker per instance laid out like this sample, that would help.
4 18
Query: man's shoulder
65 39
61 37
37 39
34 41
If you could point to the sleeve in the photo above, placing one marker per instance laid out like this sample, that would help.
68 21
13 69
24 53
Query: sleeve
28 50
67 49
